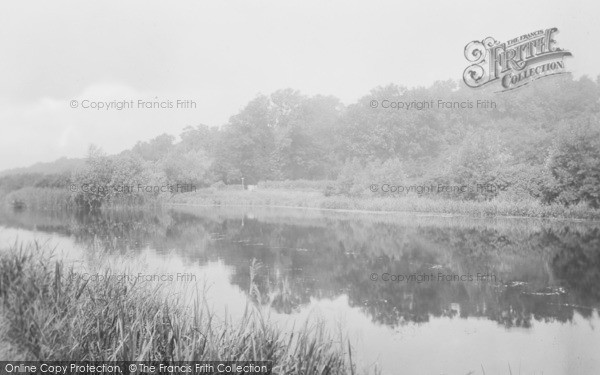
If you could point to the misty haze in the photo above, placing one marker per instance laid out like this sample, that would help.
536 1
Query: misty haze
299 188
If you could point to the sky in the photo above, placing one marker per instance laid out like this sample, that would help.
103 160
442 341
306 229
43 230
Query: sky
221 54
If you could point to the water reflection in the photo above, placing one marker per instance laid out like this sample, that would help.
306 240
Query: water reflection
543 272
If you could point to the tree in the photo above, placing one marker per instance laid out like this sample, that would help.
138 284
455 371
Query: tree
246 144
199 138
574 162
93 180
156 148
480 163
304 134
187 167
105 178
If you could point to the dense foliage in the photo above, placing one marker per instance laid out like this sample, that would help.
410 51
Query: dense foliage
541 142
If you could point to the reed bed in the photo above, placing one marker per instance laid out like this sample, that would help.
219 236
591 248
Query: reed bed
40 198
47 313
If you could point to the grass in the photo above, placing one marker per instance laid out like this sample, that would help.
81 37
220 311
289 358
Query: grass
298 185
310 195
529 208
40 198
258 197
46 313
61 198
406 203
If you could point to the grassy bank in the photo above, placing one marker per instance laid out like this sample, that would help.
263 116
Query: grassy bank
48 313
395 203
307 196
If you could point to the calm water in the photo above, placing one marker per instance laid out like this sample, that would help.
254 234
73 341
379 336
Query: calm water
536 311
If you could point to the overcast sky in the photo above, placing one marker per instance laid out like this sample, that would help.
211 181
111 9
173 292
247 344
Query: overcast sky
221 54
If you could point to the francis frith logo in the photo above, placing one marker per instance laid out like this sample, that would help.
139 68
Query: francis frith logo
514 63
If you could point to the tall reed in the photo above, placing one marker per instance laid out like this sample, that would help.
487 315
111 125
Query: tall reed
54 315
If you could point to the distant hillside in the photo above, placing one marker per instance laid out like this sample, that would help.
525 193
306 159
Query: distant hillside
61 165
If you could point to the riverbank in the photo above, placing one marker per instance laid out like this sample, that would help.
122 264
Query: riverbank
50 313
264 197
314 198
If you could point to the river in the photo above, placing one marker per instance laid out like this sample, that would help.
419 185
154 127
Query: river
494 296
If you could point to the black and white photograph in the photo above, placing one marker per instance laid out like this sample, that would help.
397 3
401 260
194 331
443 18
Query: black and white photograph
300 187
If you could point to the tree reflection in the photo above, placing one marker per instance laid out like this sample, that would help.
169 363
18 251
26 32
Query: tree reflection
542 274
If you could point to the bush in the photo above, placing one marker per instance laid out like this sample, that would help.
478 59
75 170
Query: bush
574 163
187 167
105 179
480 163
355 178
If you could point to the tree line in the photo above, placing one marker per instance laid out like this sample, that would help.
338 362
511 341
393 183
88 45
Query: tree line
540 142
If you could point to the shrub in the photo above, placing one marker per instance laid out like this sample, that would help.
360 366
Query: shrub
355 178
574 163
